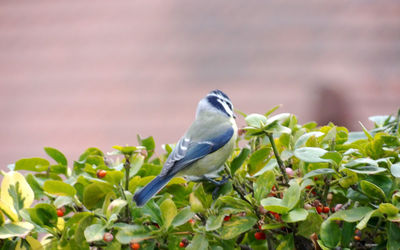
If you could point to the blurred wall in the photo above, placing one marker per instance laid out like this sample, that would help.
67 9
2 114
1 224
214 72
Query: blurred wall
80 74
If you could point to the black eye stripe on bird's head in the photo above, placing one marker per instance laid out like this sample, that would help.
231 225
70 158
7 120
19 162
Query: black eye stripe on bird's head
221 104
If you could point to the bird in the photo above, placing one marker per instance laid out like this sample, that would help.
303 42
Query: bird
202 151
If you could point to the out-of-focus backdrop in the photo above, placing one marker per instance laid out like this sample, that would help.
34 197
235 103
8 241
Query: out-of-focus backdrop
75 74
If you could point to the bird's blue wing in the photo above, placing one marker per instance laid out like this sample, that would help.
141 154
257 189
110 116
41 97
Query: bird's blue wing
189 151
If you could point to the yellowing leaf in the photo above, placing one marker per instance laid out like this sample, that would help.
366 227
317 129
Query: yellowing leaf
11 179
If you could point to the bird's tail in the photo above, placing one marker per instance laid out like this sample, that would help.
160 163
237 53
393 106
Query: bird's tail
142 196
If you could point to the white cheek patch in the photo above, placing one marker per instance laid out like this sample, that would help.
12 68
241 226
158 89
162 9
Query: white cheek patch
226 107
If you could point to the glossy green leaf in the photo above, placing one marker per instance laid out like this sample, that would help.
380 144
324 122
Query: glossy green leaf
239 160
363 223
182 217
258 160
367 169
15 229
127 233
236 226
94 193
347 233
199 242
395 170
94 232
304 138
350 215
292 195
311 154
320 171
388 208
214 222
393 232
372 190
275 205
286 243
115 207
56 155
32 164
256 120
330 233
59 188
233 202
43 214
311 225
295 215
168 212
262 186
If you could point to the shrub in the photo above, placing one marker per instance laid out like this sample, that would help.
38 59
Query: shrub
291 186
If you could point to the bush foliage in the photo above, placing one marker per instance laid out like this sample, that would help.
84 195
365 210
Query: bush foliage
290 186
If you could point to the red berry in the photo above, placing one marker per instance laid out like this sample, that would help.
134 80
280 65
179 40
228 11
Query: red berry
108 237
357 238
60 212
184 242
319 210
326 210
260 236
181 244
134 245
101 173
192 221
315 178
227 218
308 187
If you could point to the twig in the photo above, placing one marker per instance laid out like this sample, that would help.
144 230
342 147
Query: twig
278 158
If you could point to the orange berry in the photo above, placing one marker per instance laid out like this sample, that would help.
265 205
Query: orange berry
101 173
357 238
260 236
134 245
326 210
192 221
60 212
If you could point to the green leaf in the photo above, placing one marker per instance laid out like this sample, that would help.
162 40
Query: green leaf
199 242
350 215
94 232
292 195
258 160
311 225
32 164
36 187
182 217
115 207
275 205
347 234
214 222
272 110
363 223
15 229
136 162
287 242
59 188
330 233
320 171
15 191
236 226
262 186
56 155
311 154
148 143
168 212
393 232
395 170
43 214
233 202
239 160
94 193
295 215
372 190
256 120
389 209
304 138
127 233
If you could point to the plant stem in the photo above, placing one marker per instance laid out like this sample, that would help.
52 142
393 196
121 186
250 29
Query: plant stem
127 166
278 158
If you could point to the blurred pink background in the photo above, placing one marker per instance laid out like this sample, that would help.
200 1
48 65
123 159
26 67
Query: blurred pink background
96 73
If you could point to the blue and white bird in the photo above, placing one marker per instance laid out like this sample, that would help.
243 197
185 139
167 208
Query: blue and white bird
201 153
